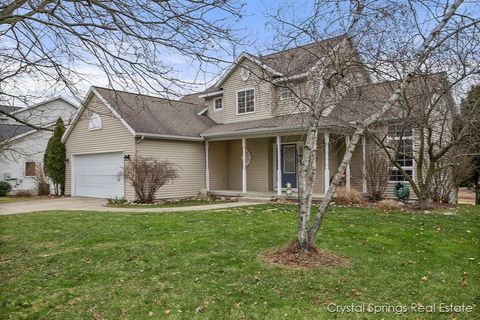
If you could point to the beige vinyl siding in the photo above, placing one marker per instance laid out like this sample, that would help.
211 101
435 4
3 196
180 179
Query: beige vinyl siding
335 151
234 164
113 136
290 105
188 156
215 115
258 171
235 83
218 164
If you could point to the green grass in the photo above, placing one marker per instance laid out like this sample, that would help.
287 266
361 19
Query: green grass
10 199
170 204
97 265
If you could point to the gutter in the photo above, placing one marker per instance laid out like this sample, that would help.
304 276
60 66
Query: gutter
255 131
211 94
167 136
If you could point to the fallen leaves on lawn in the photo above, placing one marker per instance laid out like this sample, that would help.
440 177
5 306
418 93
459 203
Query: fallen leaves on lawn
290 256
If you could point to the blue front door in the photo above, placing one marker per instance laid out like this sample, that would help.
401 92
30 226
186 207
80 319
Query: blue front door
289 165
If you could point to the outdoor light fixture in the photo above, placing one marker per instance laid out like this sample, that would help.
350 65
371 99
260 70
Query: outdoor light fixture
67 160
126 157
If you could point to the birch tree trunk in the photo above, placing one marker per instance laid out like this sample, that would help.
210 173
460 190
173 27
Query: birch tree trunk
428 45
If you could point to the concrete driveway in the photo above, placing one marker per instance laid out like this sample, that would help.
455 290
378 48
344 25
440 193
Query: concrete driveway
94 204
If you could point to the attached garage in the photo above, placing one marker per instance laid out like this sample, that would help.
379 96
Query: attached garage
98 175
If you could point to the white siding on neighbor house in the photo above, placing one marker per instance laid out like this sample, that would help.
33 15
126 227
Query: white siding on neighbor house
113 136
31 148
46 113
187 155
263 94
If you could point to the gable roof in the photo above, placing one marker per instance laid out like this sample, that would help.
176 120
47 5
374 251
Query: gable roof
362 101
286 63
301 59
150 116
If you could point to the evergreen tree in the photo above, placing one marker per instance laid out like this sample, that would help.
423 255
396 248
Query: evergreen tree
54 159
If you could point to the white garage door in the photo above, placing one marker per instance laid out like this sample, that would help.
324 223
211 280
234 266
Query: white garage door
99 175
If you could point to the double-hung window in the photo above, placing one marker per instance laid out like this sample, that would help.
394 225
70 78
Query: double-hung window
401 138
285 93
246 101
218 104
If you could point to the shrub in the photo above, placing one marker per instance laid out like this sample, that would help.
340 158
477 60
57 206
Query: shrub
23 194
5 188
54 158
377 174
147 175
116 201
348 196
389 205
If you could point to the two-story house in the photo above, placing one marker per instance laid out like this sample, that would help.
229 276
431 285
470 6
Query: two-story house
242 136
23 147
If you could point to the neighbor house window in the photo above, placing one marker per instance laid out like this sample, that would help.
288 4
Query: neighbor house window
285 93
29 169
218 104
402 138
95 122
246 101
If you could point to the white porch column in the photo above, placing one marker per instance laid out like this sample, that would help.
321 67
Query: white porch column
364 165
279 166
207 171
326 173
244 166
347 171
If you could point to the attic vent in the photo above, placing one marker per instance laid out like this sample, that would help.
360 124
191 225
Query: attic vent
244 73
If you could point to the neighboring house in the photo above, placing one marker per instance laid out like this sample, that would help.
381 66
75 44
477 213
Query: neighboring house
244 135
21 146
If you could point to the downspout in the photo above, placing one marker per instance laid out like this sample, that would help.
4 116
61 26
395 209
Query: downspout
137 142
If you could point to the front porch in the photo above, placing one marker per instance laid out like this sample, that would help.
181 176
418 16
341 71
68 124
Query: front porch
263 166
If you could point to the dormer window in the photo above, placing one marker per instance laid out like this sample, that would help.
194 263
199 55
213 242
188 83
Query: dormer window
95 122
285 93
218 104
246 101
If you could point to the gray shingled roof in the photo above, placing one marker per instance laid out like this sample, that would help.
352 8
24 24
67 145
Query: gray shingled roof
363 101
295 121
8 131
300 59
154 115
9 109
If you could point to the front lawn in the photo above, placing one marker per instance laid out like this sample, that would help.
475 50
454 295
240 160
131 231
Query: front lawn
10 199
100 265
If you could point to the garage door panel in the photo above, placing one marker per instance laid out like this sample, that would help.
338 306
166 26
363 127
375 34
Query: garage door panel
99 175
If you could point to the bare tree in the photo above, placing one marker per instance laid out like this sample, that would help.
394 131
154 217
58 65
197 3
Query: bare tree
377 175
133 44
391 39
147 176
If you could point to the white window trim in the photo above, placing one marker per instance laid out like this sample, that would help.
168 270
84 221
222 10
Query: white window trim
254 101
284 89
90 128
215 109
412 167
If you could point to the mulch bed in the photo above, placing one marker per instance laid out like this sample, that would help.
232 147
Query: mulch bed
291 257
